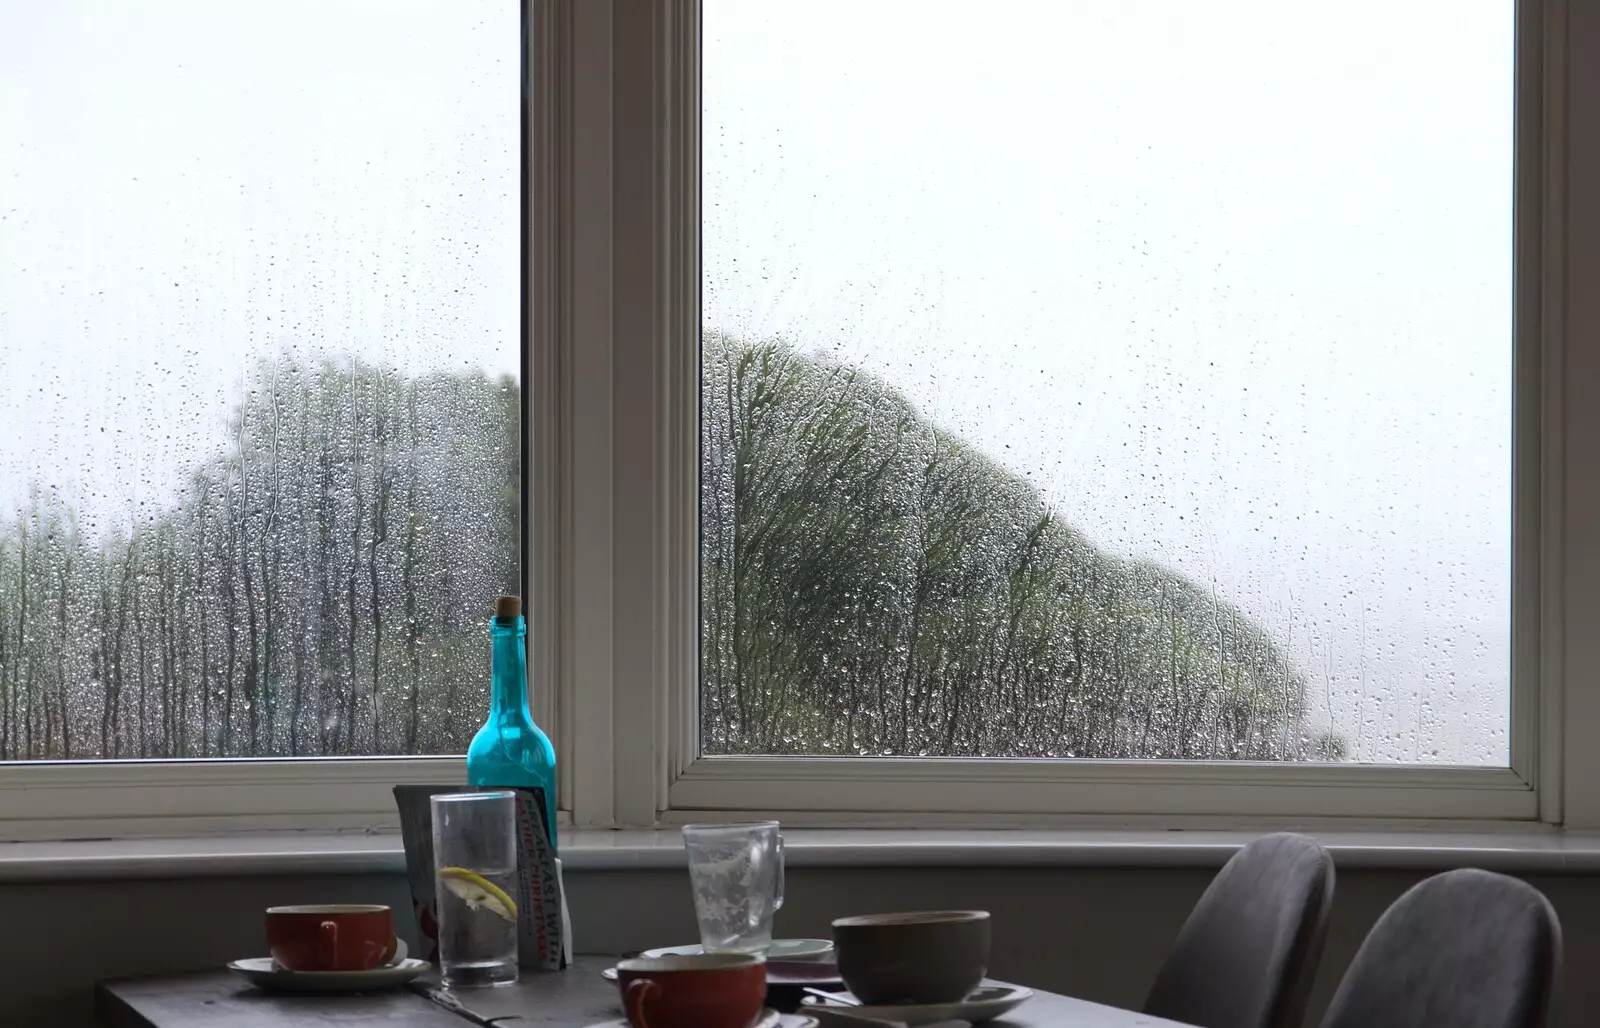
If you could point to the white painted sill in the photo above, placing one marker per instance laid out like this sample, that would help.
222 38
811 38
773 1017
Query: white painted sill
1544 850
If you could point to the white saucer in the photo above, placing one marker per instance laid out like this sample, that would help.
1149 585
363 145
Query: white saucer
264 972
782 949
790 974
990 1000
769 1019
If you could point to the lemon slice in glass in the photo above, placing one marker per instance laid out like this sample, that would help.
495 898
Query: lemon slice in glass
478 892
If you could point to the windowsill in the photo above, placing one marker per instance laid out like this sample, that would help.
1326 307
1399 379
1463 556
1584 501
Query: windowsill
303 854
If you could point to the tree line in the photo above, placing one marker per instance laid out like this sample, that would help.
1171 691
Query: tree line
871 584
319 587
874 585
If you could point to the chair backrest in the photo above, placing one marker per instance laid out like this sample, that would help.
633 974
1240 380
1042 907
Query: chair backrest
1247 954
1465 949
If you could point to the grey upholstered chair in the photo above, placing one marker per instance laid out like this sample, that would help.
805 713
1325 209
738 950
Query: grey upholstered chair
1465 949
1247 954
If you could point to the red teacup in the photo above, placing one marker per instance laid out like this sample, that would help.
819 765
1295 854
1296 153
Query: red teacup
703 990
331 936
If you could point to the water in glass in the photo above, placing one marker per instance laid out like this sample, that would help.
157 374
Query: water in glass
475 887
477 929
736 872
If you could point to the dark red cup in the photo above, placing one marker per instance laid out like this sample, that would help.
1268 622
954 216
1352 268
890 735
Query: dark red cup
703 990
331 936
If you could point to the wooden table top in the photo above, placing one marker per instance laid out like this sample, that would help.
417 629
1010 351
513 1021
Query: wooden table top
575 998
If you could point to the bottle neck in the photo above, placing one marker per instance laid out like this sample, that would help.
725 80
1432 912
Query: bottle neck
508 670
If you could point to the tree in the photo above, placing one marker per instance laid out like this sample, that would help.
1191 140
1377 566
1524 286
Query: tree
253 615
874 585
871 584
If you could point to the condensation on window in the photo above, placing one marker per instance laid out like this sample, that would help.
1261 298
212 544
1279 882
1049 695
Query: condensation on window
1107 381
259 375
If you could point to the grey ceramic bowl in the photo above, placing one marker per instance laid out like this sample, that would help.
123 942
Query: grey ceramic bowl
930 956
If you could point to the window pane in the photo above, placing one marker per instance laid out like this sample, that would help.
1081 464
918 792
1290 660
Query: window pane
1108 380
259 374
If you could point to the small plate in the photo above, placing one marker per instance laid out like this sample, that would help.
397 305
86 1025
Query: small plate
782 949
987 1002
785 974
769 1019
263 972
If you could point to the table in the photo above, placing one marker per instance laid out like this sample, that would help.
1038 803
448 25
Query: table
574 998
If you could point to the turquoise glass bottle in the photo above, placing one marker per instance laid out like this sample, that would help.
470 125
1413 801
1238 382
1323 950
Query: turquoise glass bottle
510 751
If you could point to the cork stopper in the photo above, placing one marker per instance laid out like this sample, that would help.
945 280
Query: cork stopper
508 608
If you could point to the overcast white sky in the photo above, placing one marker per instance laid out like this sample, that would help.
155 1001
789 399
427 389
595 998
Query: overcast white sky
1229 281
188 184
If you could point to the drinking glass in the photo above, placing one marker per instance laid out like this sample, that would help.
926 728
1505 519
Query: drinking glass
737 875
475 884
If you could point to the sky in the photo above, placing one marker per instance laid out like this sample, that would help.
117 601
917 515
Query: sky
1229 282
189 185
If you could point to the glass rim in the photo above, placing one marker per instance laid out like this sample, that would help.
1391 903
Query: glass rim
468 797
707 827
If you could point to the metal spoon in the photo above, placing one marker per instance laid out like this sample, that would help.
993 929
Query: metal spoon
842 998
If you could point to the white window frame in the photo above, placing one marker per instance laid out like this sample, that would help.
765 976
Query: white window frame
614 279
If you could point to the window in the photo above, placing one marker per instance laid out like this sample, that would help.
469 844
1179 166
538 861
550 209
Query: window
261 456
1141 389
830 342
856 489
